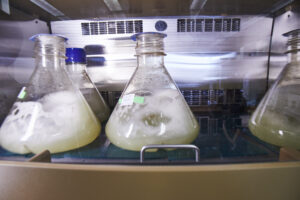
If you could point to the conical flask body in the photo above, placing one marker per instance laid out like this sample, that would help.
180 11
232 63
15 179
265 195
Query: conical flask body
277 118
50 113
151 109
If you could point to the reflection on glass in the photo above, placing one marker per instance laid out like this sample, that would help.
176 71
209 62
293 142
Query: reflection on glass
277 118
151 109
49 113
76 68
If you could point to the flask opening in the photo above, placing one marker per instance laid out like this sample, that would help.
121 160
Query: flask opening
149 43
49 44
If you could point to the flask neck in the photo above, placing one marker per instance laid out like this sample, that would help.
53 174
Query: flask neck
49 61
149 43
150 50
49 51
151 60
293 46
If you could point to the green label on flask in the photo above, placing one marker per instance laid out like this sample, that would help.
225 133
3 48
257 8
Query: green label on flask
22 93
138 99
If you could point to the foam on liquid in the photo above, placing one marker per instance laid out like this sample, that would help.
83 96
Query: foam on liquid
58 122
163 118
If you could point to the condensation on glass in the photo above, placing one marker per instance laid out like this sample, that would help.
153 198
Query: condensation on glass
76 68
277 118
49 113
151 109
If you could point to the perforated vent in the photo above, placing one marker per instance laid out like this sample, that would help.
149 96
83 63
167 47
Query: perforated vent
94 28
190 25
181 25
102 28
218 25
236 23
120 27
209 25
85 28
138 26
111 27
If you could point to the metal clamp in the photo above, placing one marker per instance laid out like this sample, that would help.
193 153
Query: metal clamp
170 146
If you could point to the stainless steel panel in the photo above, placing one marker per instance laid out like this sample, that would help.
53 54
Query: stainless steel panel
196 60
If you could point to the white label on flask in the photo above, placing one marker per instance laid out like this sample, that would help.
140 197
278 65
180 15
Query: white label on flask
127 100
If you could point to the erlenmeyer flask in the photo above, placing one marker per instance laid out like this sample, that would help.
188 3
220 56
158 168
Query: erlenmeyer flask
151 109
76 68
277 118
50 113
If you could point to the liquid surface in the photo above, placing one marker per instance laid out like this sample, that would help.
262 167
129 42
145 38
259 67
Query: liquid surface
277 119
58 122
163 118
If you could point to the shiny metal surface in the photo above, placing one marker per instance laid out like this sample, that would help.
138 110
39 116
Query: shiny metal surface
214 60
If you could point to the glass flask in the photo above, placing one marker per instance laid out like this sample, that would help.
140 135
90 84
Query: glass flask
49 113
151 109
276 120
76 68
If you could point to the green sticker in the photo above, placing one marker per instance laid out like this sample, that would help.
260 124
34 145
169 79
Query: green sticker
22 93
138 99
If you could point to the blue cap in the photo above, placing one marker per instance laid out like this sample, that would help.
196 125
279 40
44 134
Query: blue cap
75 55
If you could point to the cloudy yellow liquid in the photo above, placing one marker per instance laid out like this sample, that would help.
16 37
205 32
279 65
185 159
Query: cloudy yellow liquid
163 118
58 122
278 122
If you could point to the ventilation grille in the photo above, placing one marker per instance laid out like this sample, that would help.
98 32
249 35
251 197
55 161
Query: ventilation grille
209 25
111 27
